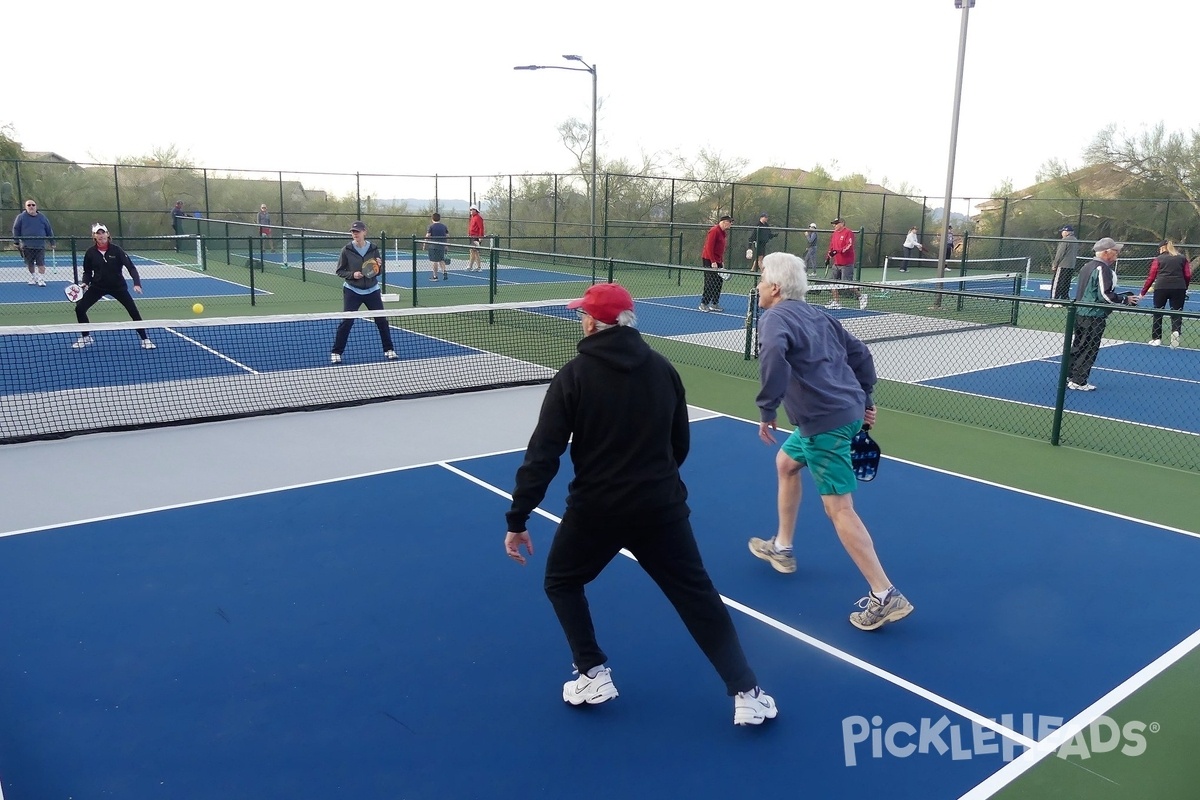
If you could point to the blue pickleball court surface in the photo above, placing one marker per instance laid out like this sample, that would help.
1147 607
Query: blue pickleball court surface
198 287
367 638
1126 374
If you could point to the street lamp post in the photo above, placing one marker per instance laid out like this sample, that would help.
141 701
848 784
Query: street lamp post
958 80
590 68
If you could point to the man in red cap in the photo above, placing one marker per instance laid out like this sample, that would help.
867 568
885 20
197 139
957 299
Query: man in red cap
621 407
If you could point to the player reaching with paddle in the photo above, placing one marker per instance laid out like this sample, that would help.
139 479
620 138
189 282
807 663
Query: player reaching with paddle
824 377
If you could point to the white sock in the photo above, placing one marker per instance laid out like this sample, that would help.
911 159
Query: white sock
594 671
882 598
783 550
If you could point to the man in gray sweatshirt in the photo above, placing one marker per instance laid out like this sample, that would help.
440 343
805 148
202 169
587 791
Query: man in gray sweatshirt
824 377
1065 259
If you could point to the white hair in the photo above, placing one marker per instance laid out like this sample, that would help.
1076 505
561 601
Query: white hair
787 272
626 319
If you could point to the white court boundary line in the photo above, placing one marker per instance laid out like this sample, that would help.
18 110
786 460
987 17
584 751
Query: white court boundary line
828 649
1060 736
1072 411
1032 756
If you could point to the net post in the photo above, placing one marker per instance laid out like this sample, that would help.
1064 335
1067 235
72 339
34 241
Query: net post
883 278
493 286
1060 396
200 263
414 271
250 243
286 254
383 261
751 314
1017 293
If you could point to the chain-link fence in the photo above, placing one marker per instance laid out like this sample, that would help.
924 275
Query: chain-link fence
138 200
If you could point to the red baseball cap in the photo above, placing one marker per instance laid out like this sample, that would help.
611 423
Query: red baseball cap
604 302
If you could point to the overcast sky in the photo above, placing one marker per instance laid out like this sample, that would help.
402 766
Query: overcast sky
422 88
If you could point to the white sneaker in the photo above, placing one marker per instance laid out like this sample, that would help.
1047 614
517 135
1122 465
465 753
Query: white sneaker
148 345
751 708
703 306
715 307
83 341
32 280
592 691
1154 342
1174 338
862 301
390 355
1080 387
833 304
1053 305
335 358
41 281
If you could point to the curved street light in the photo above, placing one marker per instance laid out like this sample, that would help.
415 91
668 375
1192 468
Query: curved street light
589 68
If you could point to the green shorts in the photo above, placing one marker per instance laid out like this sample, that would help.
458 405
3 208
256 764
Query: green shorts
827 455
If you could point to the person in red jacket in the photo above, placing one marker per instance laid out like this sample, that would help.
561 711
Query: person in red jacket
475 234
841 251
713 259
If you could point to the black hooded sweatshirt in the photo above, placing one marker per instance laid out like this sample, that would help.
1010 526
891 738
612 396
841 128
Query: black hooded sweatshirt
622 407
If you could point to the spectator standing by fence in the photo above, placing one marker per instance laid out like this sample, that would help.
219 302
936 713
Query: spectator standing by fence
30 230
1063 266
264 226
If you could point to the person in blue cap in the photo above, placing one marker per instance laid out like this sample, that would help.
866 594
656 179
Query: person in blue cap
1066 257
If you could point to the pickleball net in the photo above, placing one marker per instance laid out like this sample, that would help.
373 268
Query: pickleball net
212 369
921 307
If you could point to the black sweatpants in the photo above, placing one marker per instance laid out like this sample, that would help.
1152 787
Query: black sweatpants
1061 288
1163 297
667 552
95 292
352 301
712 283
1085 346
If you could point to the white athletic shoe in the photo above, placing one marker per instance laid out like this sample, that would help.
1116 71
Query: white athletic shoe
32 280
1174 338
83 341
753 707
390 355
1154 342
592 691
717 308
41 281
833 304
862 301
335 358
1080 387
703 307
148 345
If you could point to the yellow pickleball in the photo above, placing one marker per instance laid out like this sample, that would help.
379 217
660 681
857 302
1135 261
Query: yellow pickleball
198 309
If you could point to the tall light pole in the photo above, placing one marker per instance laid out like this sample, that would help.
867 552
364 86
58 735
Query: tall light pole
958 81
591 68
